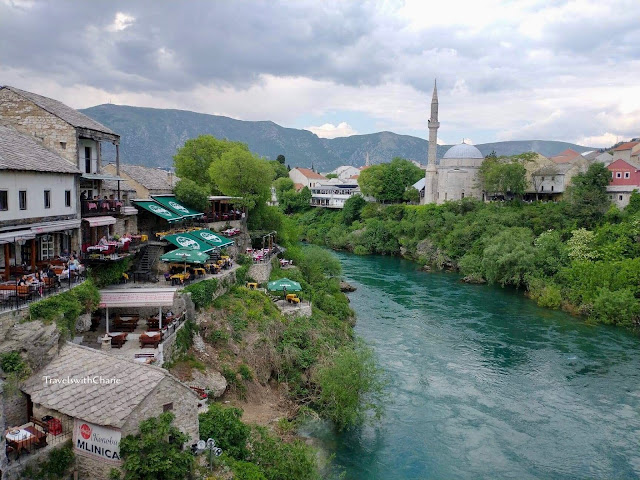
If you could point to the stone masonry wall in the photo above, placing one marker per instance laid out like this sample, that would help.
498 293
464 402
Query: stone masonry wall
25 116
260 272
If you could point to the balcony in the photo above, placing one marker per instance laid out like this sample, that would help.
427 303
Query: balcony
96 208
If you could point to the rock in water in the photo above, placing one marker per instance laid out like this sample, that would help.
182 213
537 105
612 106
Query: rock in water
346 287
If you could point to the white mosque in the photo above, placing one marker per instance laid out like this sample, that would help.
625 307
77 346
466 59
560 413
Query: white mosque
456 177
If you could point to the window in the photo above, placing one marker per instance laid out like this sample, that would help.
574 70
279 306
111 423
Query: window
627 174
4 200
22 199
542 188
618 175
47 199
462 195
67 198
620 197
167 407
46 247
87 159
63 145
552 188
543 179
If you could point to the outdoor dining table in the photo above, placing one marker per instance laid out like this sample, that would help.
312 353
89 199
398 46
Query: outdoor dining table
25 438
178 277
199 271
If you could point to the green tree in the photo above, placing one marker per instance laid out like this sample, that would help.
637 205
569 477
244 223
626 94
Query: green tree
280 171
587 195
240 173
281 159
291 201
195 157
388 182
353 208
619 307
350 386
509 257
156 452
331 175
225 427
503 175
283 184
192 194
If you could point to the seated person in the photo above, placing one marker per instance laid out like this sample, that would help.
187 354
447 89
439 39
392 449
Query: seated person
23 281
103 241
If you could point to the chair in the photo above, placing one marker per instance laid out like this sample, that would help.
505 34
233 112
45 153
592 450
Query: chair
150 341
167 277
118 341
24 293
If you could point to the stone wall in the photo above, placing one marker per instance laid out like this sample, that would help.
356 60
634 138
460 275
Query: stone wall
184 405
260 272
25 116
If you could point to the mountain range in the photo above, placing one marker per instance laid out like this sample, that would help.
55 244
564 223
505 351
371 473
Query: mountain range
151 136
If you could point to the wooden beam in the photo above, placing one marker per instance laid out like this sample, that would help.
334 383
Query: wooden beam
7 262
33 255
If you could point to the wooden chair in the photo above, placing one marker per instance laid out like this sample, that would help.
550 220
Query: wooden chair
118 341
24 293
150 341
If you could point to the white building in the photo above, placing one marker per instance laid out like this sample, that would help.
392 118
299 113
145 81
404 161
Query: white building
39 211
333 195
346 172
305 177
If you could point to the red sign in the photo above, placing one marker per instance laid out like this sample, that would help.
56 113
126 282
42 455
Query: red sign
85 431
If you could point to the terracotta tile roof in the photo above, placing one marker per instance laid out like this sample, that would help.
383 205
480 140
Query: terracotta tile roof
23 152
298 186
307 172
565 156
625 146
102 404
60 110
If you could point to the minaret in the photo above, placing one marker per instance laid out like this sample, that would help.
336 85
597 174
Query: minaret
367 163
431 174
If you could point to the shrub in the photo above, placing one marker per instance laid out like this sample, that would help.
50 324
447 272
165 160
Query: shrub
361 250
619 307
56 466
225 427
202 292
110 274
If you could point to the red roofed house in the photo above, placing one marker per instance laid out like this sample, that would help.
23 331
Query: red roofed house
306 177
625 178
626 151
565 156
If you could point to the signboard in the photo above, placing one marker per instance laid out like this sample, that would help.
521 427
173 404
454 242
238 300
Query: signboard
137 297
96 441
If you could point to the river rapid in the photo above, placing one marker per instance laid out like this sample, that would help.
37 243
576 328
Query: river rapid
484 384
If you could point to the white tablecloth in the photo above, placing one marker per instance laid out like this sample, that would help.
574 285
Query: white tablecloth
17 437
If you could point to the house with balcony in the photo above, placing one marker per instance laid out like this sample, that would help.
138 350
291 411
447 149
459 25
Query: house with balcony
333 194
305 177
78 139
39 211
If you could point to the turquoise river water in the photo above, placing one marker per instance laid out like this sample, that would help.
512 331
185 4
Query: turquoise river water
484 384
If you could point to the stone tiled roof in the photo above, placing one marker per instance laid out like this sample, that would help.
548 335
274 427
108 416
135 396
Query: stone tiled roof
108 405
150 178
23 152
125 186
59 109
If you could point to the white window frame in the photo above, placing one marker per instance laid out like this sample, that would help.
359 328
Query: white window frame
627 175
46 247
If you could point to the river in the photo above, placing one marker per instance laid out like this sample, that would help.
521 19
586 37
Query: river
484 384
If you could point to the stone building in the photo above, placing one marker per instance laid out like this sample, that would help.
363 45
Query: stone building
306 177
146 181
456 175
78 139
100 398
39 211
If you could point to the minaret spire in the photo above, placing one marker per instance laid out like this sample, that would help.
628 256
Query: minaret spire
431 174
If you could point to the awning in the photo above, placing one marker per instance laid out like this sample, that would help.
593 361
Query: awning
159 210
186 240
185 255
211 238
56 226
137 297
12 237
170 202
284 284
101 176
100 221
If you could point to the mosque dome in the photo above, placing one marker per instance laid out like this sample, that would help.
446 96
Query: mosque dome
463 151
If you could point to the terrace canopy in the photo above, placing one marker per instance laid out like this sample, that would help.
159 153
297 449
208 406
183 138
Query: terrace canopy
170 202
211 238
157 209
136 297
188 240
186 255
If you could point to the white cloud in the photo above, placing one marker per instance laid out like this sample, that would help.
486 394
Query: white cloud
329 130
121 22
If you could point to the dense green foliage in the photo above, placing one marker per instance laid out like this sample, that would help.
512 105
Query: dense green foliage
156 452
56 466
388 182
13 363
587 263
192 194
225 427
109 274
65 308
202 292
504 175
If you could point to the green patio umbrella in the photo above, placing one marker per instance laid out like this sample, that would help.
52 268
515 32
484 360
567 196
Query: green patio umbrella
284 285
185 255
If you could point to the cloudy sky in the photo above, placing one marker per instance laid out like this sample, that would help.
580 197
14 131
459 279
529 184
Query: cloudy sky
506 69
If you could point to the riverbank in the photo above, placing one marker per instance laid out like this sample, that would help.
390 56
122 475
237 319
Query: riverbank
278 368
540 248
